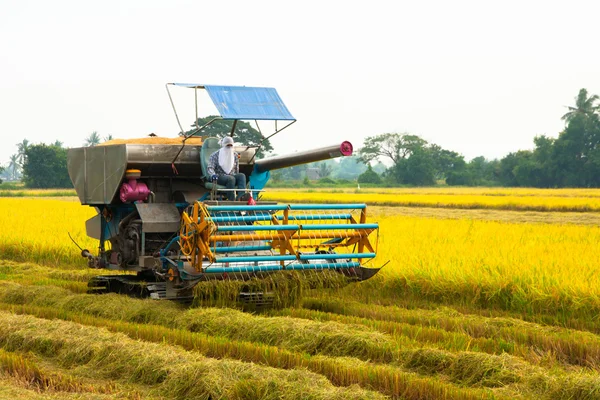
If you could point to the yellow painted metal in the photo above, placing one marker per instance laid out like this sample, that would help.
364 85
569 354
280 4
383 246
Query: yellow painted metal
194 233
198 233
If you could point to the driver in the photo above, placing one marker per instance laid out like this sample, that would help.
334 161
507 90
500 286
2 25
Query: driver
224 168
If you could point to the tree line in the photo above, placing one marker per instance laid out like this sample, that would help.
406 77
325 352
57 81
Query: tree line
570 160
43 165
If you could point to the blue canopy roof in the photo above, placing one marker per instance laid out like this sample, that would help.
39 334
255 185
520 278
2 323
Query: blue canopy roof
246 103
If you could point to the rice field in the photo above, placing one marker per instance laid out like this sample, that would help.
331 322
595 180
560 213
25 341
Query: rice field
480 300
565 200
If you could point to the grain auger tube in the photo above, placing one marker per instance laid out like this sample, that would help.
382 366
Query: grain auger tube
156 219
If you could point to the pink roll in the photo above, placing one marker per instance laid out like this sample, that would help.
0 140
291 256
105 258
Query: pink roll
133 190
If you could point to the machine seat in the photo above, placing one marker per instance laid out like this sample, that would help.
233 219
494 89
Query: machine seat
210 186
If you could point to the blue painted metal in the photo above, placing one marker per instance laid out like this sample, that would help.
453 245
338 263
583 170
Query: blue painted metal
277 267
268 217
255 258
239 228
258 180
335 256
258 207
337 226
327 206
278 207
171 243
242 102
315 217
322 266
233 249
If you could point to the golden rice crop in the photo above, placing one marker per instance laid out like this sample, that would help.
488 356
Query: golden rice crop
38 230
452 190
38 193
442 200
547 271
529 268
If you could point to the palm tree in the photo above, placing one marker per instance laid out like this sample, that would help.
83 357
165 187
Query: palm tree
107 138
584 105
93 139
14 166
22 149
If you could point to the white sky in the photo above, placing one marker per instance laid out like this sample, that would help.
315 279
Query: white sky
476 77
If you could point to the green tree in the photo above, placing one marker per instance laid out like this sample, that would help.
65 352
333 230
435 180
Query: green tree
57 143
544 161
46 167
14 166
483 172
108 138
350 168
418 169
324 170
395 146
21 150
92 140
446 161
380 168
569 153
416 162
584 106
244 133
509 168
369 176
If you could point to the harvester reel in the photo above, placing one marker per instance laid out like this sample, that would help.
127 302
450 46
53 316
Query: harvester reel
188 236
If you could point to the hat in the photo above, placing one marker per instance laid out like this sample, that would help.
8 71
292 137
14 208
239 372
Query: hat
227 141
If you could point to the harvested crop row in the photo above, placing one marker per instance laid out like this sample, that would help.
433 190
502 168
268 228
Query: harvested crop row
386 379
460 367
18 366
448 340
567 345
310 337
18 388
178 373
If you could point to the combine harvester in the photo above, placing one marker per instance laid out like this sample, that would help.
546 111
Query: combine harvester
162 220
